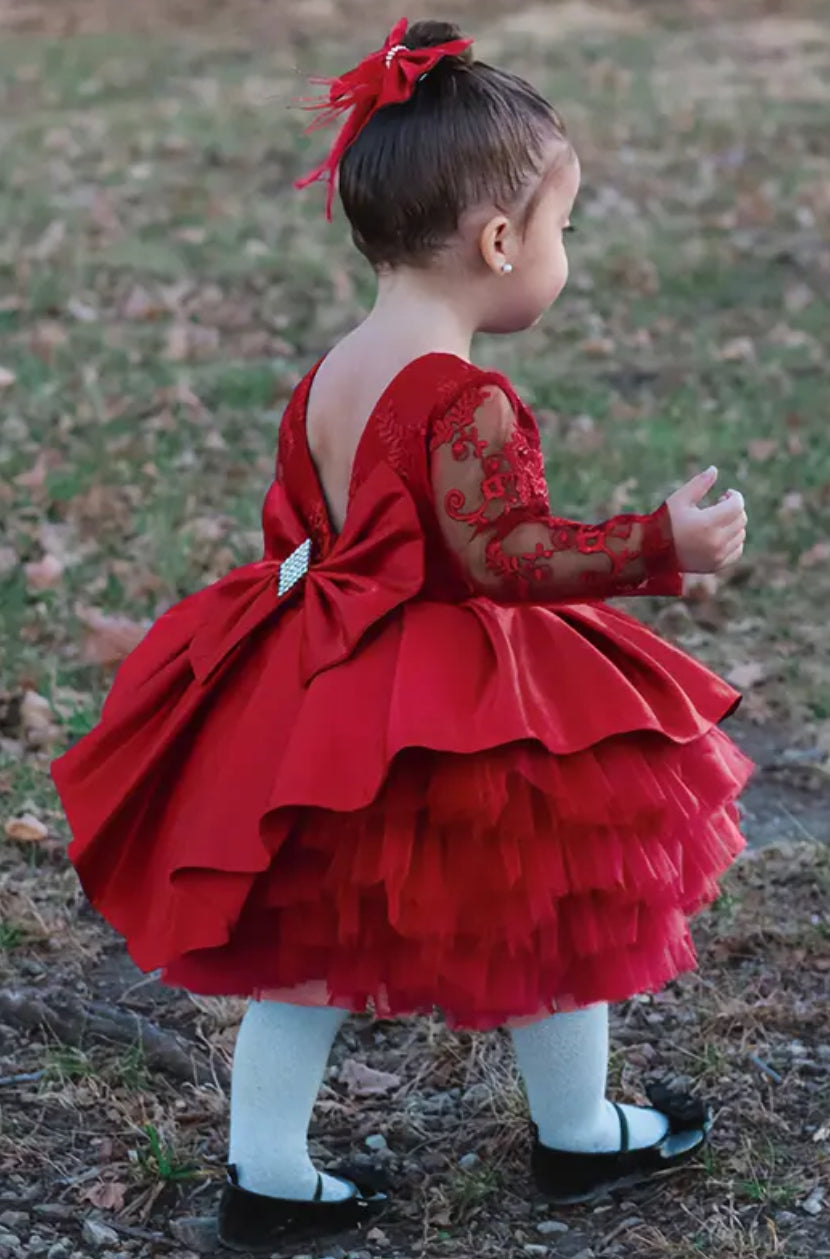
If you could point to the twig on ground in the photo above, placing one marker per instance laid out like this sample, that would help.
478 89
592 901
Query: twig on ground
766 1069
29 1077
75 1022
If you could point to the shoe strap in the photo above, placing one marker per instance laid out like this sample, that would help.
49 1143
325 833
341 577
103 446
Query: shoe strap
625 1135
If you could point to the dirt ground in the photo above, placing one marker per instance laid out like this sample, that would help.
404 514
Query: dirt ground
161 290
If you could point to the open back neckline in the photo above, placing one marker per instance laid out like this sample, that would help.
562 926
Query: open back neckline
361 441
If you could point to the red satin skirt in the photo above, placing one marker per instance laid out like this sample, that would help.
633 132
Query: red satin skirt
499 811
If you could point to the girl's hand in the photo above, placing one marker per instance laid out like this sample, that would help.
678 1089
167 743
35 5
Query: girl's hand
707 538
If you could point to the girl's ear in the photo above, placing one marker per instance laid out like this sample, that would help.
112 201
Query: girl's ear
496 244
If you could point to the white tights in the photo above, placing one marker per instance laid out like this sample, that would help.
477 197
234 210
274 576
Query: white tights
280 1059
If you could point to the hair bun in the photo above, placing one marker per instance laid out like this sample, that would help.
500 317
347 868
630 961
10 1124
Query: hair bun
427 34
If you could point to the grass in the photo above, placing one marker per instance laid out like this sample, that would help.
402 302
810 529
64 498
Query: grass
160 1159
11 936
691 332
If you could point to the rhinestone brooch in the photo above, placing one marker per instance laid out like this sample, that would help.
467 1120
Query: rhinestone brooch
294 568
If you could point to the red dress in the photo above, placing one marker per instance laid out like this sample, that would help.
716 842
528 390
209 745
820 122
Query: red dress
420 762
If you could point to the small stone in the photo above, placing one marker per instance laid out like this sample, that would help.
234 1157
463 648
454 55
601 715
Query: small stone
533 1248
572 1245
813 1204
469 1162
548 1227
787 1218
14 1221
440 1103
197 1232
477 1095
377 1141
98 1234
60 1250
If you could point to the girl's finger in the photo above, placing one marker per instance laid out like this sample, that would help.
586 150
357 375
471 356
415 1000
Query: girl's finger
725 512
731 533
734 555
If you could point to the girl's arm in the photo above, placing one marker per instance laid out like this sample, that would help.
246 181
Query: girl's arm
491 500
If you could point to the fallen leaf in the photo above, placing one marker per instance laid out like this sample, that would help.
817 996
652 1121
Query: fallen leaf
81 310
44 574
105 217
700 587
818 554
107 1195
744 676
798 297
621 496
8 560
738 350
178 343
35 478
109 639
47 336
762 450
7 378
583 435
190 340
26 829
343 285
50 242
37 719
363 1081
59 540
141 306
192 235
256 248
597 347
791 504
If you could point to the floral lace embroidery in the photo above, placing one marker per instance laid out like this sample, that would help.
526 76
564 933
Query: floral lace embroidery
501 498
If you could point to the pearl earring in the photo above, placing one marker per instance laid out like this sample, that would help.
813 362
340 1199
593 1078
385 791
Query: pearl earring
506 268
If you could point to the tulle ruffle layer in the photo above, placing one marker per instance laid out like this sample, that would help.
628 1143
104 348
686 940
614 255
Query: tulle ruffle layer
491 809
494 885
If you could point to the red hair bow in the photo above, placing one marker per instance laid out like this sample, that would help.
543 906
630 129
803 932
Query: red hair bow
385 77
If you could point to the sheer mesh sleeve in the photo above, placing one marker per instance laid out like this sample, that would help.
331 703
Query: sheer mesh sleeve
492 503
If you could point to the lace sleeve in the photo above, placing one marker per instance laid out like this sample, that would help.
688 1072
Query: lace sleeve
492 504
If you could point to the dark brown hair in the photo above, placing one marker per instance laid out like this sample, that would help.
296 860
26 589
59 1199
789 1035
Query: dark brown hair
469 133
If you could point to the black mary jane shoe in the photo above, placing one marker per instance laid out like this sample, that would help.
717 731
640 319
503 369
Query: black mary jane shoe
256 1224
566 1178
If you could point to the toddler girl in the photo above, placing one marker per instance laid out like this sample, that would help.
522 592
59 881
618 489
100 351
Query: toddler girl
411 758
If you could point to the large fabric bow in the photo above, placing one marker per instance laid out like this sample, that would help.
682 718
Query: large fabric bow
385 77
376 563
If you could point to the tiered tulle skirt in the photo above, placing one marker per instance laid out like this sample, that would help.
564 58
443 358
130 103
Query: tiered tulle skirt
495 885
498 811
